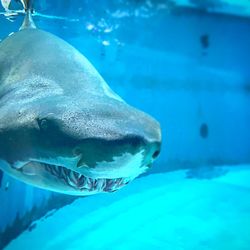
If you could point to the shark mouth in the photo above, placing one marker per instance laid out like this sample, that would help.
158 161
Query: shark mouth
84 183
51 174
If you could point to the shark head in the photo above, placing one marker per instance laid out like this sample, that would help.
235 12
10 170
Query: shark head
61 127
80 147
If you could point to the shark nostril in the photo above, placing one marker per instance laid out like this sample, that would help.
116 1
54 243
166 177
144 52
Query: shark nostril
155 154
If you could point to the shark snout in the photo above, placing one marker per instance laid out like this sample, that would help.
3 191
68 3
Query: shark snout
124 157
127 151
119 136
93 151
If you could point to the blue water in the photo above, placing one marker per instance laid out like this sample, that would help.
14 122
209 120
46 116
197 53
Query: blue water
187 65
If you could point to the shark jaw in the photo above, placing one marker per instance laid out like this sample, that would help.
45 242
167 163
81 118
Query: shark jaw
105 177
74 182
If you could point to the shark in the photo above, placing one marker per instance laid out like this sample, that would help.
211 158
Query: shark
62 128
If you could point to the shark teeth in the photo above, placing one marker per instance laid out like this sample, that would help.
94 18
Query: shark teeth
83 183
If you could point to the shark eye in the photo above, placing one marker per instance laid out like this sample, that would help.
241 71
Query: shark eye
43 124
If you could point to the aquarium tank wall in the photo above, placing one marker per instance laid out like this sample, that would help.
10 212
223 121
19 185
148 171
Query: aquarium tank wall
186 64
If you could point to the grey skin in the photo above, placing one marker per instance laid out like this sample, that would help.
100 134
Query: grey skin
61 127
